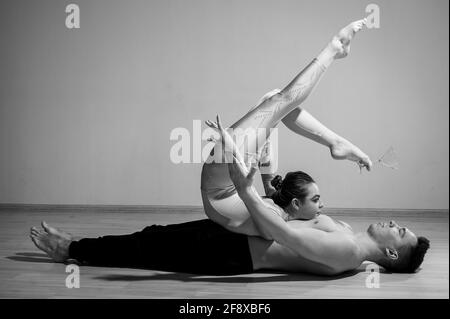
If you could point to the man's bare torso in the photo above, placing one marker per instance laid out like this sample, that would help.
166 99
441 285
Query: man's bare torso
271 255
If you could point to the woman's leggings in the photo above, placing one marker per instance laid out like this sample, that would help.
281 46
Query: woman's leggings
220 199
198 247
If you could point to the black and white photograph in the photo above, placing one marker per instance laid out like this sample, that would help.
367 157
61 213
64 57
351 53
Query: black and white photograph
241 152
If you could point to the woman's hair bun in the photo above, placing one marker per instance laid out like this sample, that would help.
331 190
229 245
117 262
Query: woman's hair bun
276 182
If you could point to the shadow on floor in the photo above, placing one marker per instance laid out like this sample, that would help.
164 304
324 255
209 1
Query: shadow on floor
253 278
256 277
32 257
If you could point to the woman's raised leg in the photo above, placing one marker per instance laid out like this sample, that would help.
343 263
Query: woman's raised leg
221 202
302 122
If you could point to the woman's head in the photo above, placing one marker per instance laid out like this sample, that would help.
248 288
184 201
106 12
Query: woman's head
297 194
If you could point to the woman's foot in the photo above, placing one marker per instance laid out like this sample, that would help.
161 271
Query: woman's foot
52 241
341 42
339 47
343 149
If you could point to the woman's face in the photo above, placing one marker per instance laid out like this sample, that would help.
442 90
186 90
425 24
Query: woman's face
311 205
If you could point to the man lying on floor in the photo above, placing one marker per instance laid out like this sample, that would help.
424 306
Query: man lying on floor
204 247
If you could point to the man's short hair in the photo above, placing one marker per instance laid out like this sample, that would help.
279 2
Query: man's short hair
412 261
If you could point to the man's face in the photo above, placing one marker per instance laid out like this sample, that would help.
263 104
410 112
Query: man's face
392 235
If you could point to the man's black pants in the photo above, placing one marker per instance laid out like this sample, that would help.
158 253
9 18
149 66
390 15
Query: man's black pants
199 247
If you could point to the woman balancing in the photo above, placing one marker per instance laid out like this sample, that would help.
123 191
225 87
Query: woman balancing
297 196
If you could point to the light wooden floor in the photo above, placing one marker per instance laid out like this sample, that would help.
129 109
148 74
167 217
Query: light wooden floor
25 272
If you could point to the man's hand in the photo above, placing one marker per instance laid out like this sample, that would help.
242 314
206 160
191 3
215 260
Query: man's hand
228 147
241 176
242 179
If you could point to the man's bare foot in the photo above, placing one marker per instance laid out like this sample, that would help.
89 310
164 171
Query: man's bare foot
343 149
52 241
341 42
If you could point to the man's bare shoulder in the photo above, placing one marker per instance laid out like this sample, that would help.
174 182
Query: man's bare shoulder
280 211
320 222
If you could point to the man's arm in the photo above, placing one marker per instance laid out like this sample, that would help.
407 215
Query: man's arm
232 156
331 249
312 244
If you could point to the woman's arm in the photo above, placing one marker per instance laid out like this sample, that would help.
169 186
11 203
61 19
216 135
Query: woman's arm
268 188
266 165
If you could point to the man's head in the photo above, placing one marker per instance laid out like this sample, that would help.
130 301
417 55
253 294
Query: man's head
402 250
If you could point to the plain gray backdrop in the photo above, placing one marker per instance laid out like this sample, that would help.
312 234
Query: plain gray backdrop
86 114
